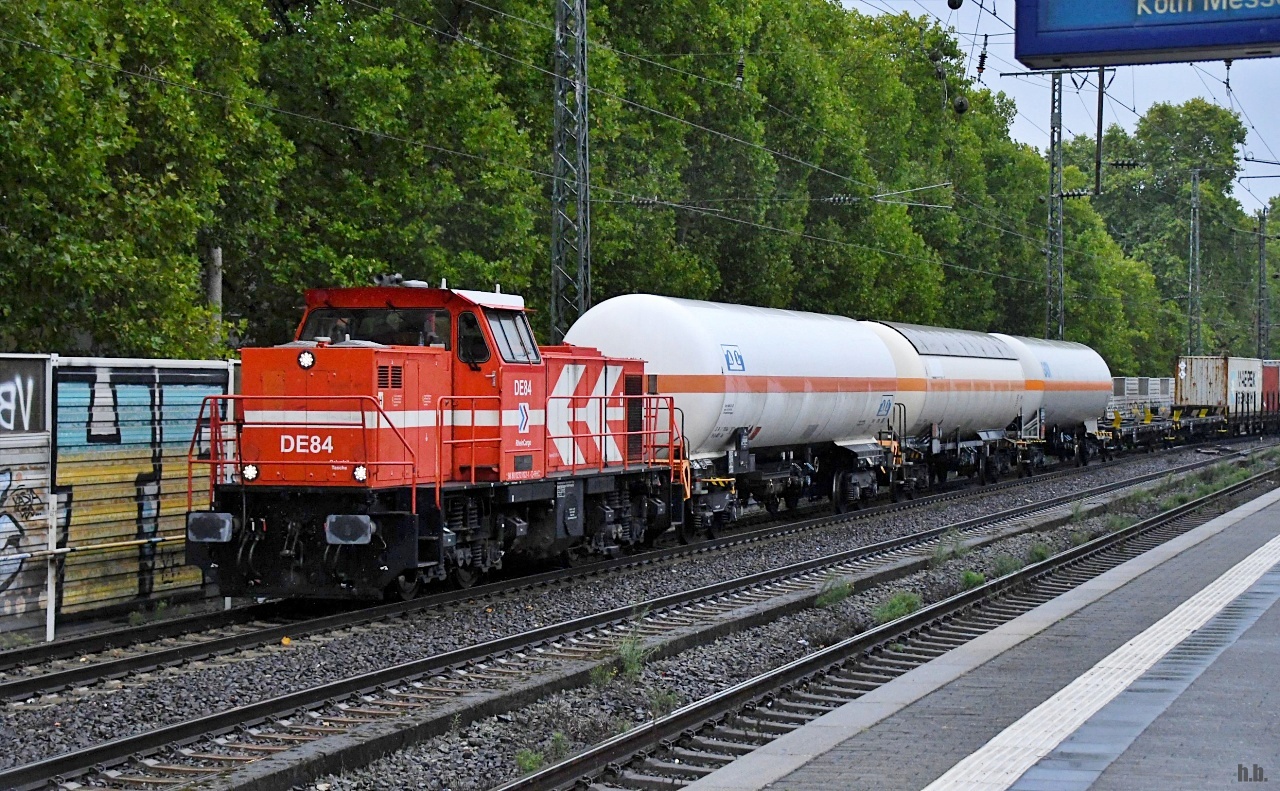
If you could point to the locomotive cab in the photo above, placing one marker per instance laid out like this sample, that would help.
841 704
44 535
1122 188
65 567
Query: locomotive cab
411 433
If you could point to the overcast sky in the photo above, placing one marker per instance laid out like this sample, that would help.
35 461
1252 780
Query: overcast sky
1255 86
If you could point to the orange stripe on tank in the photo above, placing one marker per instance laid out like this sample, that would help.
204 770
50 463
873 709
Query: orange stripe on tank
720 383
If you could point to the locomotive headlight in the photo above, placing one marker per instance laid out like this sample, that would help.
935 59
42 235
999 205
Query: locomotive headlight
360 473
307 360
249 472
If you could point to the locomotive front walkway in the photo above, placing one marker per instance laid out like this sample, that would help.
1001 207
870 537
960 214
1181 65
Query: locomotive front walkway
1097 689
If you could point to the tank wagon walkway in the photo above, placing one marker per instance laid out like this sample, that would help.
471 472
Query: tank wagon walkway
1160 674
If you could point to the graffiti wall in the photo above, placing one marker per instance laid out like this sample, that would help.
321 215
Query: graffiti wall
24 485
122 430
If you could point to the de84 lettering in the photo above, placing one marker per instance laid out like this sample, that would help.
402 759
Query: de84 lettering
305 443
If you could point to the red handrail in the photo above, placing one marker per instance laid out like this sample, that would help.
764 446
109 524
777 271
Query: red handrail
649 432
473 440
217 461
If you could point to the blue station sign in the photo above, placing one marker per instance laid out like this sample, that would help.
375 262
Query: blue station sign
1070 33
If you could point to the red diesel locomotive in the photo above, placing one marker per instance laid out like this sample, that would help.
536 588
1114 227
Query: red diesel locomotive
410 434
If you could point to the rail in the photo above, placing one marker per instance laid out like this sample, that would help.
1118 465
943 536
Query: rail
219 458
591 765
35 774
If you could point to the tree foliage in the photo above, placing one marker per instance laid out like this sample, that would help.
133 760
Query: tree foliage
788 153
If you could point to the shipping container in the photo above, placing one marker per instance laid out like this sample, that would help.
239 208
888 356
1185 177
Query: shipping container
1271 385
1231 383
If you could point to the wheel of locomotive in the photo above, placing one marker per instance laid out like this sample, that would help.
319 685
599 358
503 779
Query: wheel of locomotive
464 577
792 501
405 587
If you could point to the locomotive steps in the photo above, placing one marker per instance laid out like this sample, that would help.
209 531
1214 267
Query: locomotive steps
561 661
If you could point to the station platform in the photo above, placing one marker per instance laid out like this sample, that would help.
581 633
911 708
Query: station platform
1162 674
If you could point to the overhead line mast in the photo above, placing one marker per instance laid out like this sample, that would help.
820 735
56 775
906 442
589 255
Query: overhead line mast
571 184
1055 286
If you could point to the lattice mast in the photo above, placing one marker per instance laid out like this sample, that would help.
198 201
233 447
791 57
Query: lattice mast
571 185
1055 285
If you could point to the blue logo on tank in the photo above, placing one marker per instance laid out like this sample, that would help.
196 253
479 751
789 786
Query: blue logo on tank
733 361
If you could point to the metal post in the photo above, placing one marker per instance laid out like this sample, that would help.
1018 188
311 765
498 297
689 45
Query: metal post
1264 297
51 569
1097 149
1194 340
1055 303
214 291
571 185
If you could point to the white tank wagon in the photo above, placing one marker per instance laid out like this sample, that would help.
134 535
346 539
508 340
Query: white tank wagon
966 384
776 403
787 378
1073 379
756 387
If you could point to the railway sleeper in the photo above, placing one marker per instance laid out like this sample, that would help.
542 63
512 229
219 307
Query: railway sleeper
759 724
739 736
781 716
830 701
919 651
670 769
894 662
142 780
701 758
709 745
175 769
793 703
646 782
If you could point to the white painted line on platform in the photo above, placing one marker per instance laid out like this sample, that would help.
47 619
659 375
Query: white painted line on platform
781 757
1000 762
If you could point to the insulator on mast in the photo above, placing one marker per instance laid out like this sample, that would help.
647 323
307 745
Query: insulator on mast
982 59
742 68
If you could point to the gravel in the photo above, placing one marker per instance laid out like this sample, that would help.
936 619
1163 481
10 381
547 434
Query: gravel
570 721
43 729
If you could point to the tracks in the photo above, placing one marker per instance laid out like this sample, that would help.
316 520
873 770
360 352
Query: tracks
418 688
692 742
166 644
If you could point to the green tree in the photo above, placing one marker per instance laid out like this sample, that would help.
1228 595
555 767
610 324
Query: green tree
114 173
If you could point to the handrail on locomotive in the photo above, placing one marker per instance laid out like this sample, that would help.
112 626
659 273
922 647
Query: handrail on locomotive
218 454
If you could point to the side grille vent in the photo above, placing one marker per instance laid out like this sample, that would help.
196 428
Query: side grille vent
390 377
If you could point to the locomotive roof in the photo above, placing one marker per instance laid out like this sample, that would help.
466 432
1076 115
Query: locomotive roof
408 296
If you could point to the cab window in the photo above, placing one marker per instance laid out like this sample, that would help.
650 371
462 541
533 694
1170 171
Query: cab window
511 332
471 345
388 326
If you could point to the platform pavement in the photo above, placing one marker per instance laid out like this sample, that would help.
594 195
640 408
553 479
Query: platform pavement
909 733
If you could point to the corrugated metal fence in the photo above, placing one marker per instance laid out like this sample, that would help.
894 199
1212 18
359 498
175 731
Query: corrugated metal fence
117 458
